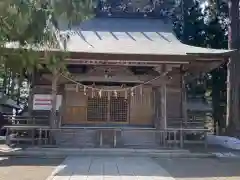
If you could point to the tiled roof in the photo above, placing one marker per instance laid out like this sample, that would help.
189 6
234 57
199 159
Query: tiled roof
128 36
123 36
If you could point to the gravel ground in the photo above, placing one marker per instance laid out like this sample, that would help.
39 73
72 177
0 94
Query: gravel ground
202 169
26 168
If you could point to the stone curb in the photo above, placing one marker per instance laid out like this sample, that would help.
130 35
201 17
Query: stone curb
107 150
55 154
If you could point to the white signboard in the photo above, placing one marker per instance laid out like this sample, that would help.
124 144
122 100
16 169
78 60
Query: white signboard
44 102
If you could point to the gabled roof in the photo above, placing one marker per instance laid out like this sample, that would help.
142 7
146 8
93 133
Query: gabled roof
128 36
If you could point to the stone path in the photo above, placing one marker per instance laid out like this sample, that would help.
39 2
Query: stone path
109 168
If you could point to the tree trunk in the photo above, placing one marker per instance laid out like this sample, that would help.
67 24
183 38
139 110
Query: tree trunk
8 83
31 82
53 116
232 118
186 5
12 87
19 89
5 78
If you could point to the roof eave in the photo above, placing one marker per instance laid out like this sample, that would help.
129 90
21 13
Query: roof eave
221 55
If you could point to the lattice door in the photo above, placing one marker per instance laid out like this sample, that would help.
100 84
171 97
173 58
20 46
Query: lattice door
102 109
118 109
97 109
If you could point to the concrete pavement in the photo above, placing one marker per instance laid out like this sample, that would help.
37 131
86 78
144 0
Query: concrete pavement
110 168
201 169
118 167
145 168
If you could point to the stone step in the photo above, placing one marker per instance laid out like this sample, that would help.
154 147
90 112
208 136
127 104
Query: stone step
139 139
62 152
76 139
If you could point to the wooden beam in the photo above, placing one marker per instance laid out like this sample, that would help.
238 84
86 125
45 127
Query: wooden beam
120 79
119 62
144 57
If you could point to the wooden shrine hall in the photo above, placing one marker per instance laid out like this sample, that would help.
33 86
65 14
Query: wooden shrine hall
127 71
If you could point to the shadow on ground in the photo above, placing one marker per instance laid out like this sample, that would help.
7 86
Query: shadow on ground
201 168
23 161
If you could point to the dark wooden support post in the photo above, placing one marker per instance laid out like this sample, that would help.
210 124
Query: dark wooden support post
183 97
183 106
163 90
164 106
7 134
157 107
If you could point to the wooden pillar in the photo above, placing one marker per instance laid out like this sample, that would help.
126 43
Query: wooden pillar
157 107
31 93
183 106
164 106
183 98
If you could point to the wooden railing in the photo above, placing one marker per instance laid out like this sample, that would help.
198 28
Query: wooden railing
193 121
101 136
28 120
36 130
180 123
